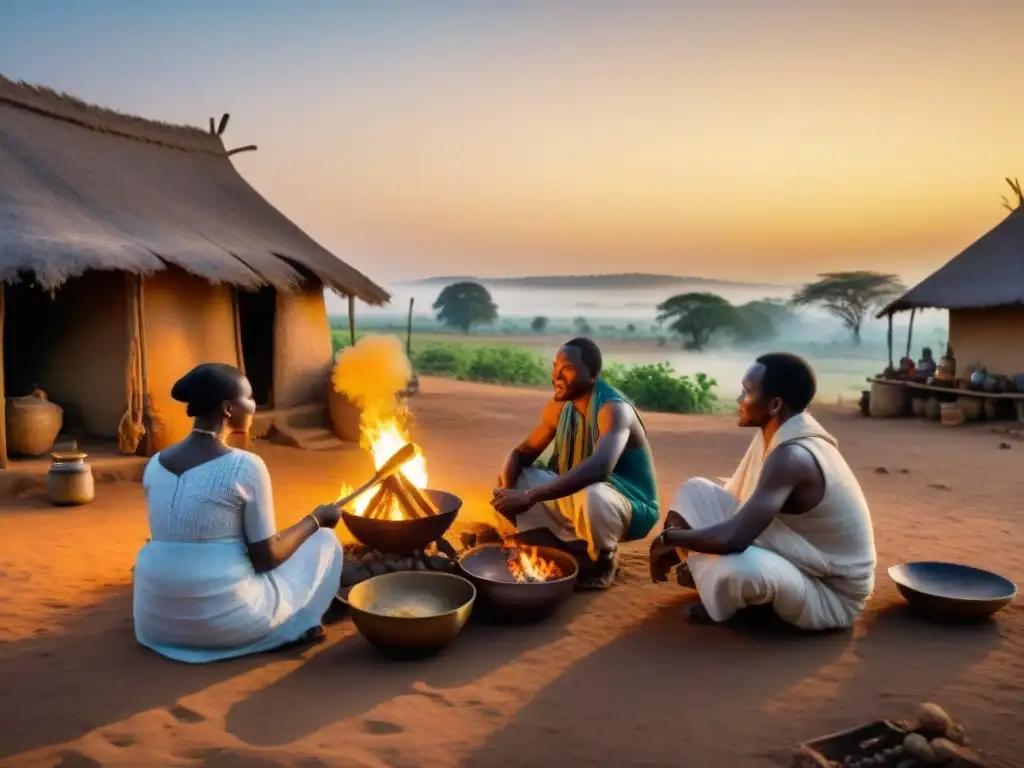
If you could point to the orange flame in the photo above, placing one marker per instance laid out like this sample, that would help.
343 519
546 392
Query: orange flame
383 439
527 566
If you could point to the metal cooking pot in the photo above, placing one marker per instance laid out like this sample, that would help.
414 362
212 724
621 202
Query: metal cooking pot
501 597
403 537
412 613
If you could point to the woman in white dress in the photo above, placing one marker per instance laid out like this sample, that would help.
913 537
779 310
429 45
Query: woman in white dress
218 580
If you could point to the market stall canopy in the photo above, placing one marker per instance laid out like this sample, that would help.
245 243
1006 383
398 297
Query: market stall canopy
989 273
87 188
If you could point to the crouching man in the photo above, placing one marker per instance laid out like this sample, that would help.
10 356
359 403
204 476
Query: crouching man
790 529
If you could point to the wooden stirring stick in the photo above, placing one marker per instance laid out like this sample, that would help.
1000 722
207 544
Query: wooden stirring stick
387 469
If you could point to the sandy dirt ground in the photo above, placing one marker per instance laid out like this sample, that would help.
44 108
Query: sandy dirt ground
618 678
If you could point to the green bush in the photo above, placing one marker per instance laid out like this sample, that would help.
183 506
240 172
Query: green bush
657 387
507 365
443 360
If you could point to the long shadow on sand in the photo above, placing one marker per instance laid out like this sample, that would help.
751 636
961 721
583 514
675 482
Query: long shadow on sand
739 695
351 677
54 689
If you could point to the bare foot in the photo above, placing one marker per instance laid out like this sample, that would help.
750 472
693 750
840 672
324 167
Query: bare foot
600 575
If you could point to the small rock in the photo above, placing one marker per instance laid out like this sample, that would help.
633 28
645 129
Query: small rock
1005 446
881 471
376 569
372 556
437 563
939 486
420 565
352 573
904 471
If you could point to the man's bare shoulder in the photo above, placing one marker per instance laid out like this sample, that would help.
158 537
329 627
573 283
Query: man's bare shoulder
552 412
791 463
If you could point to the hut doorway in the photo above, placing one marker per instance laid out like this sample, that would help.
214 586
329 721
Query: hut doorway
257 315
71 343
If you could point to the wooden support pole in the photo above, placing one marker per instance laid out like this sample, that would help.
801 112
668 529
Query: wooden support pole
236 310
352 319
889 339
910 331
3 391
408 332
148 439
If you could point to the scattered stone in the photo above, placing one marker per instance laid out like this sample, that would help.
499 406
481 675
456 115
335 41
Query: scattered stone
881 471
904 471
939 486
353 572
1005 446
376 568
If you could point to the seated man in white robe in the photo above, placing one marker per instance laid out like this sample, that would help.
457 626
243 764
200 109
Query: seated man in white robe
790 529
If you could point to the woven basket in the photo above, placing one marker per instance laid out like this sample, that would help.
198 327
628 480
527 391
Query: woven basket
33 423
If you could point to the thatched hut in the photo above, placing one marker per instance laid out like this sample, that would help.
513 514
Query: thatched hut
131 250
983 289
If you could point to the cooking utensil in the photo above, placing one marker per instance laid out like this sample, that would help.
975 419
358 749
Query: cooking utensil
411 613
503 598
952 591
387 469
403 537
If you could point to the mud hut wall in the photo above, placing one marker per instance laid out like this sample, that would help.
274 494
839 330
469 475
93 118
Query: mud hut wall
86 346
187 321
993 338
303 353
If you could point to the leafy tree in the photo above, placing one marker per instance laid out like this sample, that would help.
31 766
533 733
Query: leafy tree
463 305
630 329
581 325
1017 191
850 296
762 320
539 324
698 316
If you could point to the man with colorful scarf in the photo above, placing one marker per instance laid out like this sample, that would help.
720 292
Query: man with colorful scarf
599 488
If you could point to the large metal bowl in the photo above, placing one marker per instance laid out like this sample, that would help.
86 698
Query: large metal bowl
411 613
952 591
502 598
403 537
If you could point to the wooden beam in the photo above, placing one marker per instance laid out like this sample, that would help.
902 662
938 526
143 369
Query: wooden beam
889 339
236 311
147 409
352 319
408 332
3 420
910 331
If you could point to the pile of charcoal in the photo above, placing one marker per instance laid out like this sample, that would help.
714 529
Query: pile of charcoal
362 563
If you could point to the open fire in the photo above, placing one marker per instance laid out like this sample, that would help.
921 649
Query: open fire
528 567
382 439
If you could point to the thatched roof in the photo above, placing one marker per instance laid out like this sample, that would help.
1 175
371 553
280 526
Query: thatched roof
989 273
83 188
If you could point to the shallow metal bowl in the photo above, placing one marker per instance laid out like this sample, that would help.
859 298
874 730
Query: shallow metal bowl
503 598
403 537
952 591
411 613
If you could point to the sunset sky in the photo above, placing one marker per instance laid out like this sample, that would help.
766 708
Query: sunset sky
742 139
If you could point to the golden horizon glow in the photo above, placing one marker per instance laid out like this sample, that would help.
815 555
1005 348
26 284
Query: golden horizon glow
736 139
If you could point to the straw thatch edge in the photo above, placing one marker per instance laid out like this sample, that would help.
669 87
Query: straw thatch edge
63 106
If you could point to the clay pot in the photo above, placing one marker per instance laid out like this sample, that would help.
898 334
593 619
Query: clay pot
69 481
33 423
344 416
